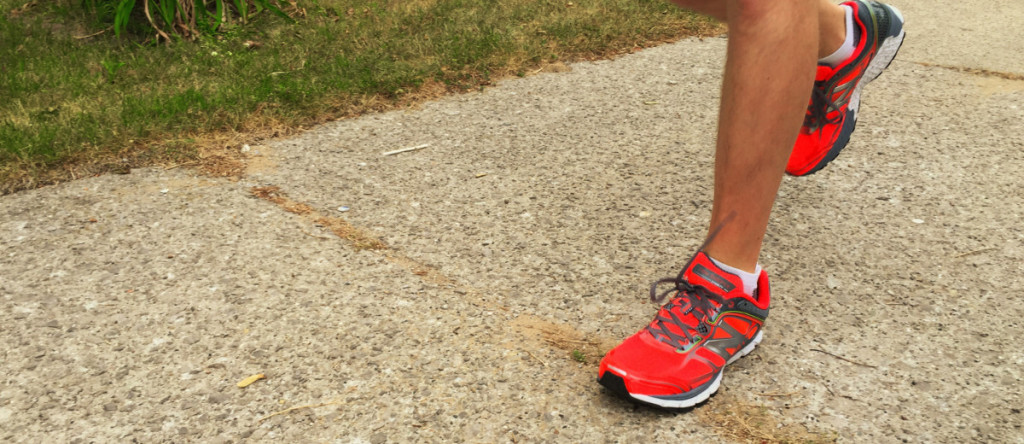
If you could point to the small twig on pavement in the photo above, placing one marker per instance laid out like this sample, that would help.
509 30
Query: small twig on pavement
535 357
299 407
845 359
778 395
972 253
406 150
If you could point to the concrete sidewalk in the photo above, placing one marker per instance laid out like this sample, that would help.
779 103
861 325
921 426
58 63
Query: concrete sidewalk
519 247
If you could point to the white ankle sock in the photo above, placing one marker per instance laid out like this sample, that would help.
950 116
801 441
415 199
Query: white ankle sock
849 45
749 279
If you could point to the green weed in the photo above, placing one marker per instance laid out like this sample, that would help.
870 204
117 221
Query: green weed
111 68
187 18
579 356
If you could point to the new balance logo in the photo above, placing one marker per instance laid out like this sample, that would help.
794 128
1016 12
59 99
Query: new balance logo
727 346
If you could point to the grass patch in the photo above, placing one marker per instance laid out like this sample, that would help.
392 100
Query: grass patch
78 101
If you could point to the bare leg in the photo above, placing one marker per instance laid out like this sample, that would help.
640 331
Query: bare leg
831 20
771 65
771 60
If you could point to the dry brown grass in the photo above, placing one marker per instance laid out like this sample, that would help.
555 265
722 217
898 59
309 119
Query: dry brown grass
744 422
576 345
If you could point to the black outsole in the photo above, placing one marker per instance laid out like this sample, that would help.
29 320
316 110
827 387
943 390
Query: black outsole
617 385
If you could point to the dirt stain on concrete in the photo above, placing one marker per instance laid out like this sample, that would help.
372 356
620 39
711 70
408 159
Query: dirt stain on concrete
735 419
358 238
577 345
428 273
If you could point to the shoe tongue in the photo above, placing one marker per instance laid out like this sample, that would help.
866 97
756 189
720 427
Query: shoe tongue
704 272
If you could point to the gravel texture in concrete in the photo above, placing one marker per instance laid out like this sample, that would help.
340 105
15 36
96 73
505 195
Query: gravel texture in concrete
520 244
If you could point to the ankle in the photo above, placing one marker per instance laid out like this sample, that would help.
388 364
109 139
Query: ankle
834 34
749 278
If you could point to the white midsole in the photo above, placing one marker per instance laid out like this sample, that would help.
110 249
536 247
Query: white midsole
704 395
885 54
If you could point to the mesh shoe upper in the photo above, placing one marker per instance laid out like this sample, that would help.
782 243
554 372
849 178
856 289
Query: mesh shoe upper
832 113
706 322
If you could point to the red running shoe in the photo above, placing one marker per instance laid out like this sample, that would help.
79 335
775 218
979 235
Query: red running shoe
677 360
832 114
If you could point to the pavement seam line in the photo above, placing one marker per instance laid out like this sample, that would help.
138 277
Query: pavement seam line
974 71
362 240
359 238
554 335
559 337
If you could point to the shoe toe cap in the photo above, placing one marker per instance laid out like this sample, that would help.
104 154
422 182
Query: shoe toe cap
649 367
